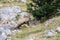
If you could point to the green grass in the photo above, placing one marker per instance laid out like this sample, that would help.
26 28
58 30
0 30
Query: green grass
22 5
37 32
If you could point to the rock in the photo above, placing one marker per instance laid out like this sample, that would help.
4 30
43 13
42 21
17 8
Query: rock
8 18
3 35
8 38
58 29
24 1
7 31
12 24
31 37
23 14
1 5
7 13
12 0
16 31
49 22
46 24
52 20
16 9
51 33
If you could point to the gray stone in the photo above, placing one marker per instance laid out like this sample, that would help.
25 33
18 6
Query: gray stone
9 13
16 9
6 26
51 33
12 0
8 38
3 35
23 14
7 31
24 1
1 5
50 21
16 31
58 29
8 17
12 24
31 37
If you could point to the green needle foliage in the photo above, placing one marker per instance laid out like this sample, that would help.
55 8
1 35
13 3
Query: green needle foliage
43 9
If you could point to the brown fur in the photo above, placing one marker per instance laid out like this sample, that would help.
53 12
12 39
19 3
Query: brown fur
23 21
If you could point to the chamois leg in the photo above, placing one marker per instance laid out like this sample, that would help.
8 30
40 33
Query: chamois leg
27 23
22 24
18 27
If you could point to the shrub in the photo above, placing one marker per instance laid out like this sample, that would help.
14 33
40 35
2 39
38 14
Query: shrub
43 9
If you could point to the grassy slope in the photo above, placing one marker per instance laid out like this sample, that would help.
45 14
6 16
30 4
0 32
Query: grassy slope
36 32
22 5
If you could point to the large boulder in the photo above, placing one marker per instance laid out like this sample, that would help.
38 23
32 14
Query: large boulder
7 31
58 29
10 25
8 20
51 33
3 35
9 13
24 1
23 14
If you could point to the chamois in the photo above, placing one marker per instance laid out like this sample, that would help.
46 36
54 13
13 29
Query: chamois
24 20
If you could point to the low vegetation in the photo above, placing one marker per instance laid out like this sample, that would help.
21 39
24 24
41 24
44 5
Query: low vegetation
44 9
36 32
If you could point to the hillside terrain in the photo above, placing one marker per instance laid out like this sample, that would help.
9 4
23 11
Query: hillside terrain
39 31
